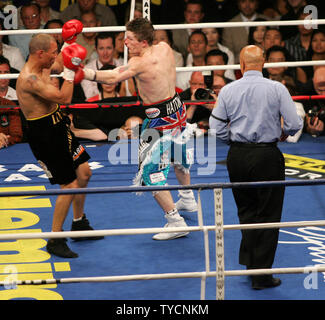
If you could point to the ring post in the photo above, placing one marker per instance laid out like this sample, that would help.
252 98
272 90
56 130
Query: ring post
220 261
206 245
146 9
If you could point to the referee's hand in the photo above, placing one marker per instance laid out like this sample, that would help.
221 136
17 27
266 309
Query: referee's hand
283 137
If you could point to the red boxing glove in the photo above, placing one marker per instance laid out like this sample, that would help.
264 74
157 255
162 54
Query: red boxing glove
79 75
71 29
82 74
73 55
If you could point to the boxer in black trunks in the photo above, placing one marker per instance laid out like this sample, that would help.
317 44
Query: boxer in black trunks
63 159
57 150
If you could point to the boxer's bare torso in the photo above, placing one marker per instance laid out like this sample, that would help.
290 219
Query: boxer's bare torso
31 103
36 94
153 69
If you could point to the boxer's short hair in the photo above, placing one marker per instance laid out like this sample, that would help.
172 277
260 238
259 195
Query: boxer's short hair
142 28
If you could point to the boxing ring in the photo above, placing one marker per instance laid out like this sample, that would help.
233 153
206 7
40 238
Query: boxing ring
213 269
218 228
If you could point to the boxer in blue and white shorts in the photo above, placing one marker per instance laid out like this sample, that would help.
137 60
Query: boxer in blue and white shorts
154 70
162 141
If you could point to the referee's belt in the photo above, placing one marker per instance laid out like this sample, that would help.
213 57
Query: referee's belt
253 144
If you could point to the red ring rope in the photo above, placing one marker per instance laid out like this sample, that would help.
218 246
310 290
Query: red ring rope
92 105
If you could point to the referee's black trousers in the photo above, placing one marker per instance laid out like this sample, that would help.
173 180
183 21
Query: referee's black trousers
248 163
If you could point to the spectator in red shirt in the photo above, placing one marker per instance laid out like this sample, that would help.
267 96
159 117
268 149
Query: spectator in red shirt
10 124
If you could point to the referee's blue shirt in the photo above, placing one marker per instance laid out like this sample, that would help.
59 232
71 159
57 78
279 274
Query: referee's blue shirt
249 110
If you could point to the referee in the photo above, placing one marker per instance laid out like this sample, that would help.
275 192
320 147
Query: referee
248 117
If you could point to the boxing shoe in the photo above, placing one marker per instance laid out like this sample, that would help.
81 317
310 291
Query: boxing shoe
173 221
83 225
59 248
186 202
264 281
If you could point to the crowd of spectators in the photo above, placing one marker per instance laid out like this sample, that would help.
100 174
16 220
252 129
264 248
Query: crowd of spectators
192 47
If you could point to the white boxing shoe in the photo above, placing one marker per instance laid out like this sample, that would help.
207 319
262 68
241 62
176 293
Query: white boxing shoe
186 204
173 222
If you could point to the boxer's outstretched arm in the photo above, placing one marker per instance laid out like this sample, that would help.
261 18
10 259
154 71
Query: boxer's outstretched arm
116 75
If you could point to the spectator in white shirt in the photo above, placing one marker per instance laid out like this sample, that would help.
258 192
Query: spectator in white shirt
13 54
6 91
104 54
30 15
213 36
197 46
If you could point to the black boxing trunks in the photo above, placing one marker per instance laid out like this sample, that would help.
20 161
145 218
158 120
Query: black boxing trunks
55 147
167 114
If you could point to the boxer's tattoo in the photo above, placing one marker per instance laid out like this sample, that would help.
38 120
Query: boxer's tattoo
32 79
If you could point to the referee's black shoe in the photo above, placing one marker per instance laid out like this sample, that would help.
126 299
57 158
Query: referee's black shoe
83 225
59 248
264 281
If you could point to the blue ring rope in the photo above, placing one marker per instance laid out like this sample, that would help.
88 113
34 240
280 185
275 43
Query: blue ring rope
201 186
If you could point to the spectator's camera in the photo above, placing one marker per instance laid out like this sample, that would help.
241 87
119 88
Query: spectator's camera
312 113
208 79
204 94
317 111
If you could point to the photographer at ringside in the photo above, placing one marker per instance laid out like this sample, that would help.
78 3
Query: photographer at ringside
203 86
315 116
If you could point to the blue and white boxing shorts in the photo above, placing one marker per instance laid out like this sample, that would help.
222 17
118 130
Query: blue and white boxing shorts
163 140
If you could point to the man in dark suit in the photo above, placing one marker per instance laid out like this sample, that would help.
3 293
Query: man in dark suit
248 117
237 38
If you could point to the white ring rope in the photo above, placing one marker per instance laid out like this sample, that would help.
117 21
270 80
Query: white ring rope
179 275
201 275
137 231
310 23
219 67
